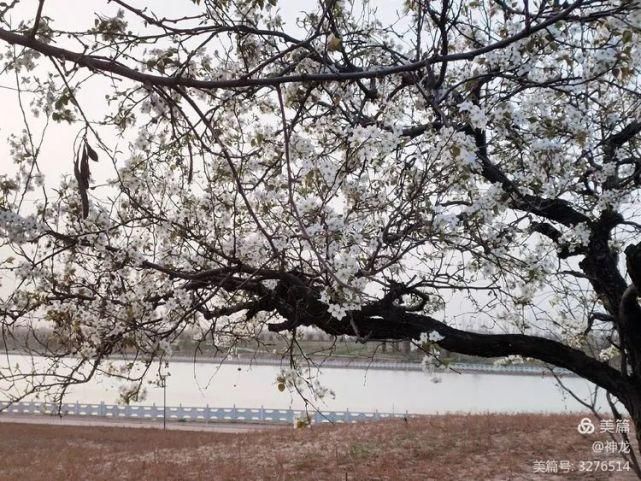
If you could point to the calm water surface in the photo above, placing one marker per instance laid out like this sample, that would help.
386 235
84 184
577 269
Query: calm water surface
253 386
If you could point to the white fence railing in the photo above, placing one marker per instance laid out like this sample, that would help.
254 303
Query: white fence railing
181 413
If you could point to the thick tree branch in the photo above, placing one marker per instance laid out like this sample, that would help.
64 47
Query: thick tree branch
36 22
377 321
633 262
107 65
626 134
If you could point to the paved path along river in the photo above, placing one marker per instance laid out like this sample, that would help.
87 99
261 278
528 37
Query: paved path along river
120 423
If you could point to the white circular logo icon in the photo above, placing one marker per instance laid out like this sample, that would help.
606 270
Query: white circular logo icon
586 426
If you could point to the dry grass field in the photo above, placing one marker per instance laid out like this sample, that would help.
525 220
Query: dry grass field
434 448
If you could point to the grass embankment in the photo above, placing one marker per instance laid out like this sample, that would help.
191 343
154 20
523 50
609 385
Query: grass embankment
435 448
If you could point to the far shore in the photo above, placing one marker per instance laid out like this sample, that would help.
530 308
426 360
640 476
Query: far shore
351 362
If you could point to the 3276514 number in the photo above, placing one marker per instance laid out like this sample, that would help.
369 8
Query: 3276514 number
603 466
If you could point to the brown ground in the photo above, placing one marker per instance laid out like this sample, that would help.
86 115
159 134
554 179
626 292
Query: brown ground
435 448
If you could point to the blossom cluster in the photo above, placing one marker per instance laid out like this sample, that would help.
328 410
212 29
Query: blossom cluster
17 228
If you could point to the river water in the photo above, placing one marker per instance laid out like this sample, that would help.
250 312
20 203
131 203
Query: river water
252 386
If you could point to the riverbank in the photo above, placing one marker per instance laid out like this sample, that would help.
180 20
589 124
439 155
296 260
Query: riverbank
430 448
387 365
352 362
